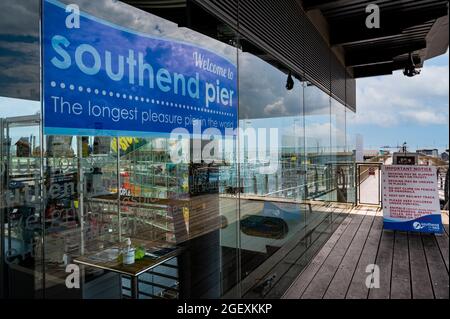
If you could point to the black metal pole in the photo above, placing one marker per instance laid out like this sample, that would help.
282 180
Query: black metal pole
134 285
2 218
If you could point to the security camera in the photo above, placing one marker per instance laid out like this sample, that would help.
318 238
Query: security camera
410 69
289 82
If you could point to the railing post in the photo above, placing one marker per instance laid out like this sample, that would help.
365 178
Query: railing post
3 280
276 182
446 189
356 183
380 197
266 180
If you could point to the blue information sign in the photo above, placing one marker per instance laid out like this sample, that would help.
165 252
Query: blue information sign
103 79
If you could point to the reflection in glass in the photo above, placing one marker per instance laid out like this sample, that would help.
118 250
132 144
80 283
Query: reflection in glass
236 219
317 143
20 193
341 165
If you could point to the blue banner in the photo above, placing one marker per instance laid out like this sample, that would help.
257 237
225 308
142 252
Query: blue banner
103 79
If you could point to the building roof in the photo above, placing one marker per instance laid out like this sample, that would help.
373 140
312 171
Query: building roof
23 141
419 27
371 153
324 42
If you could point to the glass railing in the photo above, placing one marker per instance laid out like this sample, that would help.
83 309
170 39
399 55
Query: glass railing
327 182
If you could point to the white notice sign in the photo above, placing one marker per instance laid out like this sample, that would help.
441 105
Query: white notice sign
411 198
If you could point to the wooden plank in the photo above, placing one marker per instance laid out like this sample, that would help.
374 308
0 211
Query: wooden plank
384 262
290 258
443 244
420 277
341 281
358 288
301 283
298 261
324 237
284 284
321 281
445 221
436 266
401 280
259 273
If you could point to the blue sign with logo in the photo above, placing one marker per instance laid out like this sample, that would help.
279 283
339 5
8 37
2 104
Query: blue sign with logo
103 79
411 198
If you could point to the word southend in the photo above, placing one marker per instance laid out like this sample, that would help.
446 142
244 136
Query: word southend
162 79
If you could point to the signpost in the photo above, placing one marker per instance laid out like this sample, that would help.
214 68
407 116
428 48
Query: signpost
411 198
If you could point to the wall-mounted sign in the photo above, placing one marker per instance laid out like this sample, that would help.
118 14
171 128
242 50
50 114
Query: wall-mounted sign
103 79
402 158
411 198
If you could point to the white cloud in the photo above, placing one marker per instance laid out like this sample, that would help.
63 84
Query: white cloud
318 132
424 117
396 99
275 108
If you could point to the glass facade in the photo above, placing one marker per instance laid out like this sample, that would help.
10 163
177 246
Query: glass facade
241 225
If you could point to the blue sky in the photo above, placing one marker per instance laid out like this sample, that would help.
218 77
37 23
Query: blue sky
394 109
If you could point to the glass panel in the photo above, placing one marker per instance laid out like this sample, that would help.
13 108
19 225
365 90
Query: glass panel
318 143
81 207
21 198
351 138
271 171
163 192
341 161
244 213
20 152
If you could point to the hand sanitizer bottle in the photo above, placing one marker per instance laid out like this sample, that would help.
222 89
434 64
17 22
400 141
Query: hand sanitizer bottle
128 254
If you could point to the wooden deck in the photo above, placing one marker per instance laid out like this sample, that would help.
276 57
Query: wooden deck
287 262
412 266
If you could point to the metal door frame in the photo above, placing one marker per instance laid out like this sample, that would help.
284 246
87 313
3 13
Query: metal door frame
358 182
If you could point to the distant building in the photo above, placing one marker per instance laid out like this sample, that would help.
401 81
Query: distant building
23 148
429 152
368 154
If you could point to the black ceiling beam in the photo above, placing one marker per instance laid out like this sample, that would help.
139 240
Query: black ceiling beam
384 68
353 30
379 54
404 62
373 70
145 4
324 4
